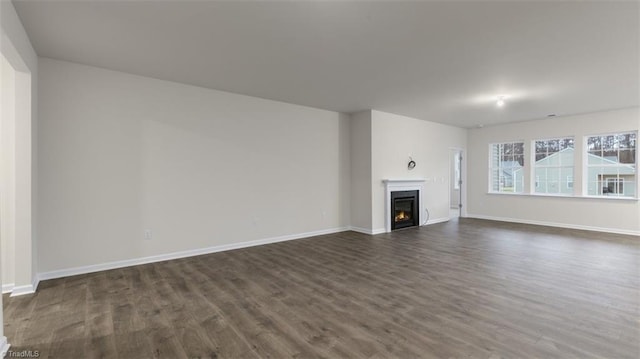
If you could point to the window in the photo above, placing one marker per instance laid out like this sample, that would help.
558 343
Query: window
554 163
611 165
506 167
615 186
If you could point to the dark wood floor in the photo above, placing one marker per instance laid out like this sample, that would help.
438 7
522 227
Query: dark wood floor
467 288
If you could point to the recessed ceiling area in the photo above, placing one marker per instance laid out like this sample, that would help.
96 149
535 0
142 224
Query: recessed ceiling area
439 61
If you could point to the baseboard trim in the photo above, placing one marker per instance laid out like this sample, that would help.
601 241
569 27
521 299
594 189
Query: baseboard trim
23 289
360 230
182 254
4 347
35 283
373 232
553 224
7 288
438 220
366 230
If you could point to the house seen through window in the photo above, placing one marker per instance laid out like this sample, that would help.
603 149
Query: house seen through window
554 165
611 165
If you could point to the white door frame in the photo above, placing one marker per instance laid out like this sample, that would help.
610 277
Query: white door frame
463 177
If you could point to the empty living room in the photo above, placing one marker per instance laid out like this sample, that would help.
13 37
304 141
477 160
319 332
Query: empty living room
319 179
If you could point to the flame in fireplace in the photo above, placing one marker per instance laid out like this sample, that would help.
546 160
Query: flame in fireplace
402 216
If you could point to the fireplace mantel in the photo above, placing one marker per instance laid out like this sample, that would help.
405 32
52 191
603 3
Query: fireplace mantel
416 180
408 184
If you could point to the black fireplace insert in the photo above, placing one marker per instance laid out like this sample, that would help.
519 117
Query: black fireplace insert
404 209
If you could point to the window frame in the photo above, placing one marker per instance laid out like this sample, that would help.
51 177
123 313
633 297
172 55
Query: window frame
586 166
501 175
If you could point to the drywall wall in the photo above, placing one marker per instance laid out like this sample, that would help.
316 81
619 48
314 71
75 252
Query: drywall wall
120 154
394 139
615 215
7 173
16 48
361 172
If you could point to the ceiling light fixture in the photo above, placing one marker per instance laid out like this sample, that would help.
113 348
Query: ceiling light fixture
501 101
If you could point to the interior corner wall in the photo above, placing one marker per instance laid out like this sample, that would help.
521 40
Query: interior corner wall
394 139
614 215
7 174
361 172
120 154
17 49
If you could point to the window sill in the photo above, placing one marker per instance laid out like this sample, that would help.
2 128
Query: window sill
606 198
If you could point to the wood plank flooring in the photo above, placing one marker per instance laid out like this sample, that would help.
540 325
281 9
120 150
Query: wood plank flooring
466 288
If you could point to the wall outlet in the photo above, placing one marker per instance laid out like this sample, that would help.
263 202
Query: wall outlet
147 234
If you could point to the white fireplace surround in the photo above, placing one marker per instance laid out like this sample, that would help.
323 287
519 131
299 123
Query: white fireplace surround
393 185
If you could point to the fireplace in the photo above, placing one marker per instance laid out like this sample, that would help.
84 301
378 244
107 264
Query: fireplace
404 209
403 188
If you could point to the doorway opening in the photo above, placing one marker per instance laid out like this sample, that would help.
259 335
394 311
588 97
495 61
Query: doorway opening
455 183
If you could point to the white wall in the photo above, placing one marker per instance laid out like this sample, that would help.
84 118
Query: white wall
121 153
395 138
17 49
7 173
361 171
600 214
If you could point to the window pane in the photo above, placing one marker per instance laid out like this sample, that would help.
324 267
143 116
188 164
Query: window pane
506 168
629 186
566 176
507 160
518 181
611 171
518 148
518 160
592 187
611 155
627 156
566 143
553 146
541 180
608 143
495 184
594 158
624 141
594 143
554 167
508 149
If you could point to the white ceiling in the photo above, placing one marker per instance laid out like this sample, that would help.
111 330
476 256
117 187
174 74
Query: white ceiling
438 61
